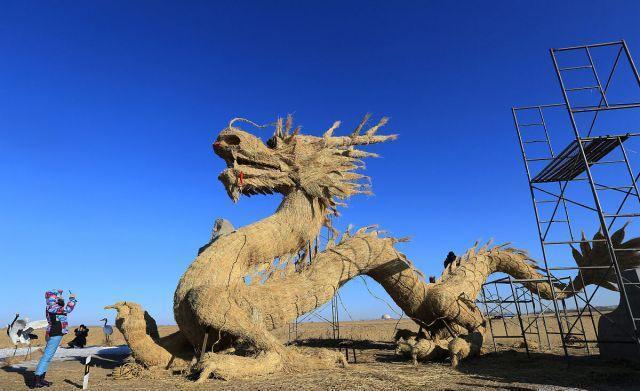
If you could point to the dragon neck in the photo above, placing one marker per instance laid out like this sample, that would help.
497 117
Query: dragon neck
295 223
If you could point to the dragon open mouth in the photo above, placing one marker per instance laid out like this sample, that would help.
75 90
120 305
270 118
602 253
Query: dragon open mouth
250 165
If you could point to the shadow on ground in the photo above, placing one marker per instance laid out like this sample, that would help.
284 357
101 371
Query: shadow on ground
539 371
107 361
27 375
334 344
589 372
76 385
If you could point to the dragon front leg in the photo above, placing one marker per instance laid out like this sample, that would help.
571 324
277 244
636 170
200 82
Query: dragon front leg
140 331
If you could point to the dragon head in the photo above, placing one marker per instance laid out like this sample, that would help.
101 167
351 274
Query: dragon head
323 167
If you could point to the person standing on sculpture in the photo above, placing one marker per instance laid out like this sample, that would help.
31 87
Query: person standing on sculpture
449 260
221 227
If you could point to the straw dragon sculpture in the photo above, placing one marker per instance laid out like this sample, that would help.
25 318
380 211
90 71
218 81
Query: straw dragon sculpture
254 280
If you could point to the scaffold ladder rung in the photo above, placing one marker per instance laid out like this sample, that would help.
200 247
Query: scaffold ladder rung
603 187
575 241
623 215
606 162
582 88
576 67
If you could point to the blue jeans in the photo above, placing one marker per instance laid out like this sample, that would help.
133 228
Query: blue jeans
49 351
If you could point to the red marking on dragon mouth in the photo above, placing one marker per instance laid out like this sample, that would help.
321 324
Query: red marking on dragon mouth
241 178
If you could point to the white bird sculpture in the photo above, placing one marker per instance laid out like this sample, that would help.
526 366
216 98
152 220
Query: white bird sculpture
107 330
20 331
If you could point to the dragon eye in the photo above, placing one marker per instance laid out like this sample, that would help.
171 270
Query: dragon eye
231 139
272 142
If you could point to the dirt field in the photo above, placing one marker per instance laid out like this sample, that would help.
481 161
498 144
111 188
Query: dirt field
377 368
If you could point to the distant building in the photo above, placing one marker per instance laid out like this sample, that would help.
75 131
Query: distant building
386 317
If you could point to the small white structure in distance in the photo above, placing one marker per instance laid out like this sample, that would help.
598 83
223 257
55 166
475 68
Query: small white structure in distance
386 317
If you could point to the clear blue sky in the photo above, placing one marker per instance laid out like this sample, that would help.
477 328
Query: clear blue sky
108 110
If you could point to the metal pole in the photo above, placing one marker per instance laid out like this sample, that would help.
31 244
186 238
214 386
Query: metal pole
584 333
629 169
335 321
560 186
535 210
555 209
499 300
584 289
535 319
631 63
486 309
544 321
525 295
523 333
566 319
606 87
595 74
594 45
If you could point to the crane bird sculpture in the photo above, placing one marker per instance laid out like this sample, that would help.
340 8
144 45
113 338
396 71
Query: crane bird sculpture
107 331
214 303
20 331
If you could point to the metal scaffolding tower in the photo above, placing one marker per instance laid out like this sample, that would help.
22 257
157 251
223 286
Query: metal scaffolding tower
596 157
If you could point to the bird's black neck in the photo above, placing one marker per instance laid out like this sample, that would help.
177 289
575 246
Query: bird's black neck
12 323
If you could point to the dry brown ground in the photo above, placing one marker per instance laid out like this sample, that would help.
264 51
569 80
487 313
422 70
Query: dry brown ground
377 368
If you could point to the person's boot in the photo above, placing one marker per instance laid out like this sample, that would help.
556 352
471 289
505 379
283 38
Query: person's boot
37 382
44 382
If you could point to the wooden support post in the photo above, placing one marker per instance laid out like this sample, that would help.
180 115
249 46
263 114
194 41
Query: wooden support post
203 350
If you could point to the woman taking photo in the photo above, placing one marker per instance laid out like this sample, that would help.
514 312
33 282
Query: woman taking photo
56 312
